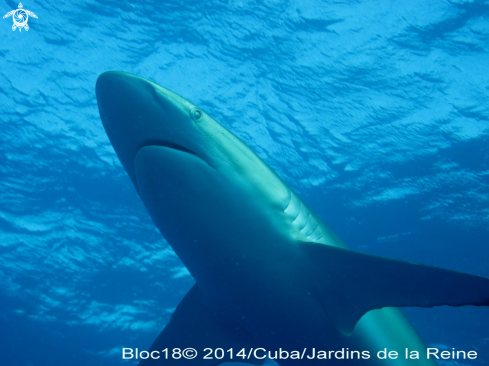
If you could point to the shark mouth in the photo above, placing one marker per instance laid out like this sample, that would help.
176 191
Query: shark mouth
168 144
173 146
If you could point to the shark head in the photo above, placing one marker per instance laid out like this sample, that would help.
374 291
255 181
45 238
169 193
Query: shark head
189 171
137 113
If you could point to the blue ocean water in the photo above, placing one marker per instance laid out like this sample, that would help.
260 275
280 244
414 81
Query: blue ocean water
375 112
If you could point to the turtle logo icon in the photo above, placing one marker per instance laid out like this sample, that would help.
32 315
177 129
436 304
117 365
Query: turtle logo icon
20 17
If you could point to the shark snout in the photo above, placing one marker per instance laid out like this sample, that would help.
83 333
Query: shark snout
125 103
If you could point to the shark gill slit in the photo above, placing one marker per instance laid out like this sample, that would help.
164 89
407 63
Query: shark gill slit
293 209
310 226
298 214
315 235
307 216
288 204
302 219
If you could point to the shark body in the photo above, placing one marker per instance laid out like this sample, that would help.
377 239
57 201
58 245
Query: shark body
269 273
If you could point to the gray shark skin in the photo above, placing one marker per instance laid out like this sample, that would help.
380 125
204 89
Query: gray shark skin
269 274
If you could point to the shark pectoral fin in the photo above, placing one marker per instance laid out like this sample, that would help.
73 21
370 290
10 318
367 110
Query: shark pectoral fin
348 284
195 325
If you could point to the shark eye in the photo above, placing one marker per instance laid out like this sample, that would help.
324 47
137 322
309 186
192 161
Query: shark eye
195 114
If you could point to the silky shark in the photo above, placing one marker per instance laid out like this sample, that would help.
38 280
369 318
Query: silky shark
270 275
